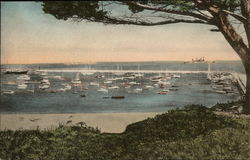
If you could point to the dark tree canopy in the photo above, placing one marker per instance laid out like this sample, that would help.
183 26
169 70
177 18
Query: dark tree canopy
99 11
225 15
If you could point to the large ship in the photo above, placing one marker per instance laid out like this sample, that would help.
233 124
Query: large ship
199 60
16 71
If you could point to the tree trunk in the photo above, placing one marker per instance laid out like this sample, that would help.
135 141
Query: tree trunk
237 43
245 10
246 108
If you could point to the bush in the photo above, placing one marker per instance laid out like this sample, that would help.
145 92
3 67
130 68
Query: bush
194 132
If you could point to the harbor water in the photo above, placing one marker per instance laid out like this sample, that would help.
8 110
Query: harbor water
182 89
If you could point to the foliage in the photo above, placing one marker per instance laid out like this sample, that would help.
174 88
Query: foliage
191 133
74 9
93 10
226 106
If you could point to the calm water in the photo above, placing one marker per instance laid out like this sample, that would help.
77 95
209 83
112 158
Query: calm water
192 89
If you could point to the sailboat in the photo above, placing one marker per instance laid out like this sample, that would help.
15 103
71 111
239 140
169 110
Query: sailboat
76 81
24 77
103 90
88 72
44 84
8 92
138 75
22 86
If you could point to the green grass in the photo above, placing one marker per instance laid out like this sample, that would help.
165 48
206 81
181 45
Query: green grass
191 133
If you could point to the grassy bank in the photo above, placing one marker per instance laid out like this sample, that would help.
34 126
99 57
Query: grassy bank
191 133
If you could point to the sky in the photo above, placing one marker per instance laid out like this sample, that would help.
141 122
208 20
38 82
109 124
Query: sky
30 36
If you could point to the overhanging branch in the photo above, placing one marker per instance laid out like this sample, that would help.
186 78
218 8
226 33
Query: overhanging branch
238 17
113 20
183 13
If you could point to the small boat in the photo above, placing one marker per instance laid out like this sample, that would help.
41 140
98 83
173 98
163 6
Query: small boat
43 86
67 87
173 89
22 86
130 77
45 80
156 85
9 92
114 87
163 92
82 89
24 77
61 90
149 87
111 79
134 83
43 74
52 91
82 95
127 86
164 83
176 76
99 76
102 90
94 84
220 91
57 77
31 91
138 89
155 80
16 71
106 97
162 86
174 86
119 78
227 88
138 75
108 82
117 97
77 80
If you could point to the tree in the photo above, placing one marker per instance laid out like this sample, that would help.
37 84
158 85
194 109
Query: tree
225 15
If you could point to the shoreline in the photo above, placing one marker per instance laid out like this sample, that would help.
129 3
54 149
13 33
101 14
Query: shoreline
106 122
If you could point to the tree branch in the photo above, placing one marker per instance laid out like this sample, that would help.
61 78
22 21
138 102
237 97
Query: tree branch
238 17
184 13
113 20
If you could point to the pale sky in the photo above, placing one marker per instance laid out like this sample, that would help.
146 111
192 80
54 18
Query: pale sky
30 36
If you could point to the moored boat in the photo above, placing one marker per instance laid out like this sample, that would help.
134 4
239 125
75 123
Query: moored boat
16 71
8 92
118 97
22 86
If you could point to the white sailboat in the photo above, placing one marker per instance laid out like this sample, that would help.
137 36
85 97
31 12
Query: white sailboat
24 77
94 84
8 92
149 87
44 84
43 74
176 76
76 80
22 85
88 72
108 82
103 90
114 87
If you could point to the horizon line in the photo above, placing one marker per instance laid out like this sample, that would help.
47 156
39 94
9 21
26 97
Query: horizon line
111 62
